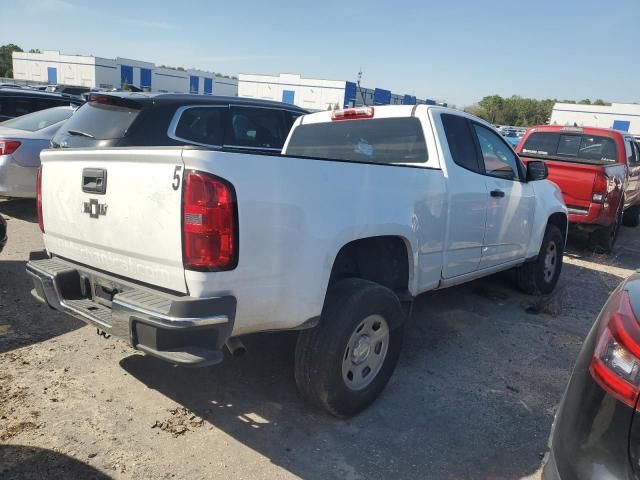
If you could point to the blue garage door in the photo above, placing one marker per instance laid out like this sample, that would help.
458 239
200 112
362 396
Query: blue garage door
409 100
349 94
52 75
288 96
381 97
145 79
621 125
194 84
126 75
208 86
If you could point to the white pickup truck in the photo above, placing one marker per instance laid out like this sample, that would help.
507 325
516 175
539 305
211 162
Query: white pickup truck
180 250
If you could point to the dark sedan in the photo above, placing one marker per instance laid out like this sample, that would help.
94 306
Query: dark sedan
596 433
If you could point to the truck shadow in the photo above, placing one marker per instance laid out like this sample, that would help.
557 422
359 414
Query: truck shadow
32 463
473 396
625 254
23 209
23 320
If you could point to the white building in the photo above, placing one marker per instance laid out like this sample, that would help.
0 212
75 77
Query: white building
52 67
315 94
621 116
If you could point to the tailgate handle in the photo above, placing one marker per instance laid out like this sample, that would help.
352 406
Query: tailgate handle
94 180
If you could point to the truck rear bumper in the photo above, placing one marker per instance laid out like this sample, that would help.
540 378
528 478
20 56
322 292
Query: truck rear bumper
179 329
591 217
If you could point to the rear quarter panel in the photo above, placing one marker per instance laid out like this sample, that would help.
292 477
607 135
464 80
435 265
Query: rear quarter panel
295 215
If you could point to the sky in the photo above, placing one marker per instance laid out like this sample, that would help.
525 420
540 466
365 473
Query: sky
455 51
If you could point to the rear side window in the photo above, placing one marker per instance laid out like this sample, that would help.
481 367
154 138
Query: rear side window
571 147
460 140
252 127
204 125
100 121
39 120
383 140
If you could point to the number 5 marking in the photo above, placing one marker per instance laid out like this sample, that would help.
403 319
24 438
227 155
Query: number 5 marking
176 177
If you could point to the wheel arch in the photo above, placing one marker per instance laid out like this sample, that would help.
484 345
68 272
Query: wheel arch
384 259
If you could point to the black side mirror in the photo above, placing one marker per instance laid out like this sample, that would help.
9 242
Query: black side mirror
536 170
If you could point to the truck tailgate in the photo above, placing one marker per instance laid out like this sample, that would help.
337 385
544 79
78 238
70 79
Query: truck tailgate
132 229
575 180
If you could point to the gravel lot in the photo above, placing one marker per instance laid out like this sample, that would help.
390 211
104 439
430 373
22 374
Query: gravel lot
473 396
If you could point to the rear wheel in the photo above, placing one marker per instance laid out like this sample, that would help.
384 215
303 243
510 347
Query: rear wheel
541 275
631 217
604 239
344 363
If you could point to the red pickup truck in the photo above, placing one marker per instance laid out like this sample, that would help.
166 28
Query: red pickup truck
598 171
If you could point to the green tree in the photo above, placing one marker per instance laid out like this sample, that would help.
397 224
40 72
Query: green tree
586 101
35 50
600 102
6 59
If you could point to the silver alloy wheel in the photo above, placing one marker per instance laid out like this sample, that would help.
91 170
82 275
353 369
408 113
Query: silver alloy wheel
550 261
365 352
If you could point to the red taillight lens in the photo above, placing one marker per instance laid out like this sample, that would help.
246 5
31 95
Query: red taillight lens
39 198
600 188
353 113
7 147
209 240
616 360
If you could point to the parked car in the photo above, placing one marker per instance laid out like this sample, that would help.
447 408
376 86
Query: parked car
3 233
21 141
148 119
598 171
182 249
68 89
512 136
596 432
15 102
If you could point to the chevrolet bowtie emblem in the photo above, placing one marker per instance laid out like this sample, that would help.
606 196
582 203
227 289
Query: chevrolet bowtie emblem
94 208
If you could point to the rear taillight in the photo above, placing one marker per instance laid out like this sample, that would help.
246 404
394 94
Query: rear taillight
353 113
39 198
616 360
209 219
7 147
600 188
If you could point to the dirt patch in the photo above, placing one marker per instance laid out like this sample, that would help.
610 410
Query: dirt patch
15 429
180 421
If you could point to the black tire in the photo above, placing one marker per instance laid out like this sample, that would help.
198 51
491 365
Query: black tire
536 277
631 217
604 239
321 351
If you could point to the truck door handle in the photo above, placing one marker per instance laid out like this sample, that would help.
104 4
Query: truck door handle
497 193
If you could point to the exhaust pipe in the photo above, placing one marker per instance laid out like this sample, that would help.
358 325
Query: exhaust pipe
235 346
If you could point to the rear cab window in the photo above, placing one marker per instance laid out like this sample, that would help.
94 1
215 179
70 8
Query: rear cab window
571 147
378 140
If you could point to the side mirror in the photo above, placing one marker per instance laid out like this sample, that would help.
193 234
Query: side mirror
536 170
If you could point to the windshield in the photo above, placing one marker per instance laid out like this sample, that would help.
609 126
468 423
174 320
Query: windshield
384 140
571 147
39 120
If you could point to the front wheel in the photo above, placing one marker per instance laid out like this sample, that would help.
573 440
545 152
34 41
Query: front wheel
344 363
541 275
